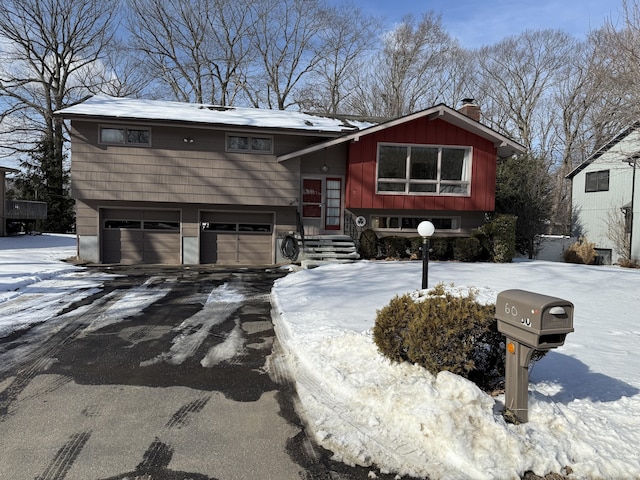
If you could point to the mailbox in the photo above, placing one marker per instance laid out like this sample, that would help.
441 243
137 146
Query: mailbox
539 321
530 321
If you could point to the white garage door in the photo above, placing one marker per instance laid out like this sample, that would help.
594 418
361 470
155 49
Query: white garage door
229 238
140 236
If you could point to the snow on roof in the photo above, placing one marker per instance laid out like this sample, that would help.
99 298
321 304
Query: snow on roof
139 109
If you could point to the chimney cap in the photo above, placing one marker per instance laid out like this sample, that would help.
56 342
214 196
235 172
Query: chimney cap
468 101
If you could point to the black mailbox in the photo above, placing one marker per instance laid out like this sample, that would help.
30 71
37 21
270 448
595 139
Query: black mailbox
530 321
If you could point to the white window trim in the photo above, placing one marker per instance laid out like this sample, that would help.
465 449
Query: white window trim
438 182
455 223
125 128
249 138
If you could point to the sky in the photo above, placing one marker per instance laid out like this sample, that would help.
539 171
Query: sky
476 23
584 396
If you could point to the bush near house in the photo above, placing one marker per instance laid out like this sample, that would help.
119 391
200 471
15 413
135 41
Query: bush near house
443 331
495 241
369 243
582 251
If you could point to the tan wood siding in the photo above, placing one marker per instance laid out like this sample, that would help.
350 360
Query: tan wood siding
172 171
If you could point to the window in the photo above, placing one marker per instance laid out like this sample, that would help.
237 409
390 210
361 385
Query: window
125 136
249 143
117 224
423 170
597 181
411 223
235 227
146 225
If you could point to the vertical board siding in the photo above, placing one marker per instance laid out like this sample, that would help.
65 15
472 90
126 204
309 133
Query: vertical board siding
361 168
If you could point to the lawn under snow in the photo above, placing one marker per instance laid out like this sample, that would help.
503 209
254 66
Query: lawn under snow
584 398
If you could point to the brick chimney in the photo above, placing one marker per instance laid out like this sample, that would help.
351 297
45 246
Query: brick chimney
470 108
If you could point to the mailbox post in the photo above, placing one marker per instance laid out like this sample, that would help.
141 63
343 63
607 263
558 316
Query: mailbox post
529 321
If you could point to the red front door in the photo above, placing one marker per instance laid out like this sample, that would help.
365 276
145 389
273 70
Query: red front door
322 200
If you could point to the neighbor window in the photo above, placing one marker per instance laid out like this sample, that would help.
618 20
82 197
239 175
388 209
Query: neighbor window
597 181
249 143
125 136
380 222
423 170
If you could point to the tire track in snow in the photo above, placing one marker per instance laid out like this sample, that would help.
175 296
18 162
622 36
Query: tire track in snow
221 303
110 308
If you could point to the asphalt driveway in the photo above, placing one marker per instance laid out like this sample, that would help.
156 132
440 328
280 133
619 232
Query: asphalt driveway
162 374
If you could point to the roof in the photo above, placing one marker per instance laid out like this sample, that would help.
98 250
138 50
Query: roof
4 170
624 152
130 109
506 147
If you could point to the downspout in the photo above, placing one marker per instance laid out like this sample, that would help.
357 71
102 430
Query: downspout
632 163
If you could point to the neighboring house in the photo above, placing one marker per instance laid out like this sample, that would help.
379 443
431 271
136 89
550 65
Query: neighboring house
605 190
176 183
17 211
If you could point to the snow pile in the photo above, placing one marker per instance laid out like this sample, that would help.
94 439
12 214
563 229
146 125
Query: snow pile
583 400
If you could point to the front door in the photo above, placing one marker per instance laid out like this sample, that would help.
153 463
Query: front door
322 204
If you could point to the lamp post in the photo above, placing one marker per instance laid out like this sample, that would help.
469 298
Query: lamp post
425 230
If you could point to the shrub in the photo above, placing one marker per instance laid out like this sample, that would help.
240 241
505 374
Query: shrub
368 244
499 238
467 249
441 248
395 247
415 247
581 252
443 331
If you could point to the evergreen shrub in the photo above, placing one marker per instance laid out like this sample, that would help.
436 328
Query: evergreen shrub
443 331
441 249
395 247
467 249
368 245
500 235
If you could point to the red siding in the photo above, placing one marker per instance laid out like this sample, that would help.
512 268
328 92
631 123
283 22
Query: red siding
361 168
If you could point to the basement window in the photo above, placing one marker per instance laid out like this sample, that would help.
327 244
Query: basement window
380 222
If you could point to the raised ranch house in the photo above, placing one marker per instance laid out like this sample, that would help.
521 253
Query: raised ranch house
176 183
604 198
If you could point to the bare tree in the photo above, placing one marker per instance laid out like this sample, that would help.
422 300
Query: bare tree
618 60
47 48
286 35
197 49
516 78
344 51
411 70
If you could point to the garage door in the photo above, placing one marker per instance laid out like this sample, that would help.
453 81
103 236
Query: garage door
230 238
141 236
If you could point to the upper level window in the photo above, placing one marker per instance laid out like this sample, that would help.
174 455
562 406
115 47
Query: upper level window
249 143
597 181
125 136
423 170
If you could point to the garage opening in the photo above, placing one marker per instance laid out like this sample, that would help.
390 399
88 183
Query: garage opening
141 236
236 238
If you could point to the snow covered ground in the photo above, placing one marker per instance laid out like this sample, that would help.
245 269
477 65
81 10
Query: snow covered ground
584 397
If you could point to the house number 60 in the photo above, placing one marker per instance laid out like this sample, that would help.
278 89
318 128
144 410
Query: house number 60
510 310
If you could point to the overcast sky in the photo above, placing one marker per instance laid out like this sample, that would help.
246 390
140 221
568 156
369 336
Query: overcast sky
485 22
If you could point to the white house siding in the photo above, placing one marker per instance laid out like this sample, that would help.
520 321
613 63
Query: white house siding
594 212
